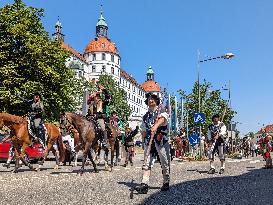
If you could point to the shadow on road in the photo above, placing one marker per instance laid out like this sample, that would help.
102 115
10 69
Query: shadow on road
252 188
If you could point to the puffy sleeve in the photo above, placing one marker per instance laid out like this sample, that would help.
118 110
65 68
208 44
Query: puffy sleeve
166 116
223 130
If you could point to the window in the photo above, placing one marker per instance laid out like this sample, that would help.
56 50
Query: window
134 89
119 80
103 69
94 57
103 56
112 70
134 98
103 45
129 95
93 68
112 58
129 85
118 61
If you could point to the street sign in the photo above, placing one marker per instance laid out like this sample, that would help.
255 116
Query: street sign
199 117
194 139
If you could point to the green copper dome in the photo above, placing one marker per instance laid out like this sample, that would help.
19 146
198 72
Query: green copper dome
101 21
58 24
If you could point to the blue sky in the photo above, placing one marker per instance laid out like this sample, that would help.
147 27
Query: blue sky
167 34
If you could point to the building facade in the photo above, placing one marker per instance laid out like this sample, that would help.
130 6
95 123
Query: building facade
101 56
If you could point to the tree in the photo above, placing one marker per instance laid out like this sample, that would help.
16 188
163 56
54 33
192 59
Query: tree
30 62
118 100
211 103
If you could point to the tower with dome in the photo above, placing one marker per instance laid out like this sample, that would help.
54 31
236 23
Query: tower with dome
101 56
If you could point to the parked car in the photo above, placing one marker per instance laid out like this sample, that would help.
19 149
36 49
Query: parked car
33 153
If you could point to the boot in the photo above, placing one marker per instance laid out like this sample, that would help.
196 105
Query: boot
165 187
142 189
211 171
222 170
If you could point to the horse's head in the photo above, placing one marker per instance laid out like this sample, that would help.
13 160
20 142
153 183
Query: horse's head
65 123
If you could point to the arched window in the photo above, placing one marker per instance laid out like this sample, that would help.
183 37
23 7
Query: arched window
112 58
112 70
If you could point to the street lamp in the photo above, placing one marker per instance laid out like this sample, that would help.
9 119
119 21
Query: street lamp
225 56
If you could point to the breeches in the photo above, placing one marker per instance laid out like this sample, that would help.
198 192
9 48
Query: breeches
164 156
101 123
216 147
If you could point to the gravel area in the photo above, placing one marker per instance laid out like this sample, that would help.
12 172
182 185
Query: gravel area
244 182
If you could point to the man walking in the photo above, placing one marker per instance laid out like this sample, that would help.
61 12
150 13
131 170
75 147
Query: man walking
216 137
156 124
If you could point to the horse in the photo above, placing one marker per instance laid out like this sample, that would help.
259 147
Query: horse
86 134
20 137
112 133
181 145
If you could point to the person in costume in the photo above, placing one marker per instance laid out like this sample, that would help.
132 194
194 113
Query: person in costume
155 122
216 137
129 144
36 116
98 103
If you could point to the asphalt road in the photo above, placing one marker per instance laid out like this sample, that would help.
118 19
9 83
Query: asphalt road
244 182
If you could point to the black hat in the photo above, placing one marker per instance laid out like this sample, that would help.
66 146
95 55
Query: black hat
37 94
113 112
215 116
154 96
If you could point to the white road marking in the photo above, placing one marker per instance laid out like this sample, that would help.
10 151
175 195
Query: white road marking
127 168
138 167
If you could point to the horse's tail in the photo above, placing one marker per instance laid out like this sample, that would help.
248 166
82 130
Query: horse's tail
61 148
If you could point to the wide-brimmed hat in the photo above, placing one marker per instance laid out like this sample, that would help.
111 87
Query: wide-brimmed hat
37 94
152 95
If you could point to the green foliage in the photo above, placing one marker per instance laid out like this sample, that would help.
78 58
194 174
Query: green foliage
211 103
118 100
31 62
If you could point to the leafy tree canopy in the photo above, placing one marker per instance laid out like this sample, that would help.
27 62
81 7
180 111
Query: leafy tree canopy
30 62
118 101
211 103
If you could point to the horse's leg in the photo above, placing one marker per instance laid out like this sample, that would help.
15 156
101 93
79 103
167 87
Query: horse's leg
76 158
56 154
16 150
22 156
41 163
116 146
92 161
112 155
106 153
85 153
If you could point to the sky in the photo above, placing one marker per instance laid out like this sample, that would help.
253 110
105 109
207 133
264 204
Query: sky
166 35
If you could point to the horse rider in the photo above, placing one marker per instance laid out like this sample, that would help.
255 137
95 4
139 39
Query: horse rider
98 103
36 116
129 144
216 137
155 122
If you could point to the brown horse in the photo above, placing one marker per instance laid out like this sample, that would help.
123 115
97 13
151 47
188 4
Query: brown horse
181 145
112 133
86 134
20 138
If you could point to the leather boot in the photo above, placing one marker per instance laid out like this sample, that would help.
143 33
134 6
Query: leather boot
142 189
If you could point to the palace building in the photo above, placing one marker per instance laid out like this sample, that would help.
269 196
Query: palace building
101 56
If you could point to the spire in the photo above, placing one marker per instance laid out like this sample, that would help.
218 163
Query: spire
101 27
150 73
58 36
